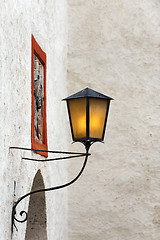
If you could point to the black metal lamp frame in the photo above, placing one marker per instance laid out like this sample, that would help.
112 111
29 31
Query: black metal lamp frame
73 155
88 94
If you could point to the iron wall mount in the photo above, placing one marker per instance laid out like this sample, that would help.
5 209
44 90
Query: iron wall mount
73 155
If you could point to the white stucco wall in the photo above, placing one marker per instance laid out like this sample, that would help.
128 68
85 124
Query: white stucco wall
114 49
47 21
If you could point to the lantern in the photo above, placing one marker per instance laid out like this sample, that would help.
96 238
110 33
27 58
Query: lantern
88 112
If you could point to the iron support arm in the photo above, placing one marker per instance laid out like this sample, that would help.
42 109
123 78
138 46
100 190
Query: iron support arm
14 219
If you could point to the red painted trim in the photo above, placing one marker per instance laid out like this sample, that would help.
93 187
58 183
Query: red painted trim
42 56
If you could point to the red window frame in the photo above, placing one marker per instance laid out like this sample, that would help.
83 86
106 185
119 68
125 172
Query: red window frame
36 49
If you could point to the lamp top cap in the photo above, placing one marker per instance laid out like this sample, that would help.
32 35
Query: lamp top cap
87 92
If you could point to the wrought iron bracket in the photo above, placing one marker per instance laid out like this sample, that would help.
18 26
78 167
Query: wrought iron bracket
73 155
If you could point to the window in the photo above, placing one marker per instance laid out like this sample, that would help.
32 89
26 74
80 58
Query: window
38 89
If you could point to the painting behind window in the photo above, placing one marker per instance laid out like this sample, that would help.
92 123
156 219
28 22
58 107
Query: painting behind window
38 99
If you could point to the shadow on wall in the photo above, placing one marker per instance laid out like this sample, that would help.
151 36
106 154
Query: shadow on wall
36 224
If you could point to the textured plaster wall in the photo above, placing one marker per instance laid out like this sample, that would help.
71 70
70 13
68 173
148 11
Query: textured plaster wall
47 21
114 48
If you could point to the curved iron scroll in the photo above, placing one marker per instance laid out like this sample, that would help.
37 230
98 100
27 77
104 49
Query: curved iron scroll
14 219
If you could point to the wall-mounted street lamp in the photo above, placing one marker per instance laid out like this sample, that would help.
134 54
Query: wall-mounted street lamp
88 112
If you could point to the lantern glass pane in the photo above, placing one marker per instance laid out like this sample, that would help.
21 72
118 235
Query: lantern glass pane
97 115
78 117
